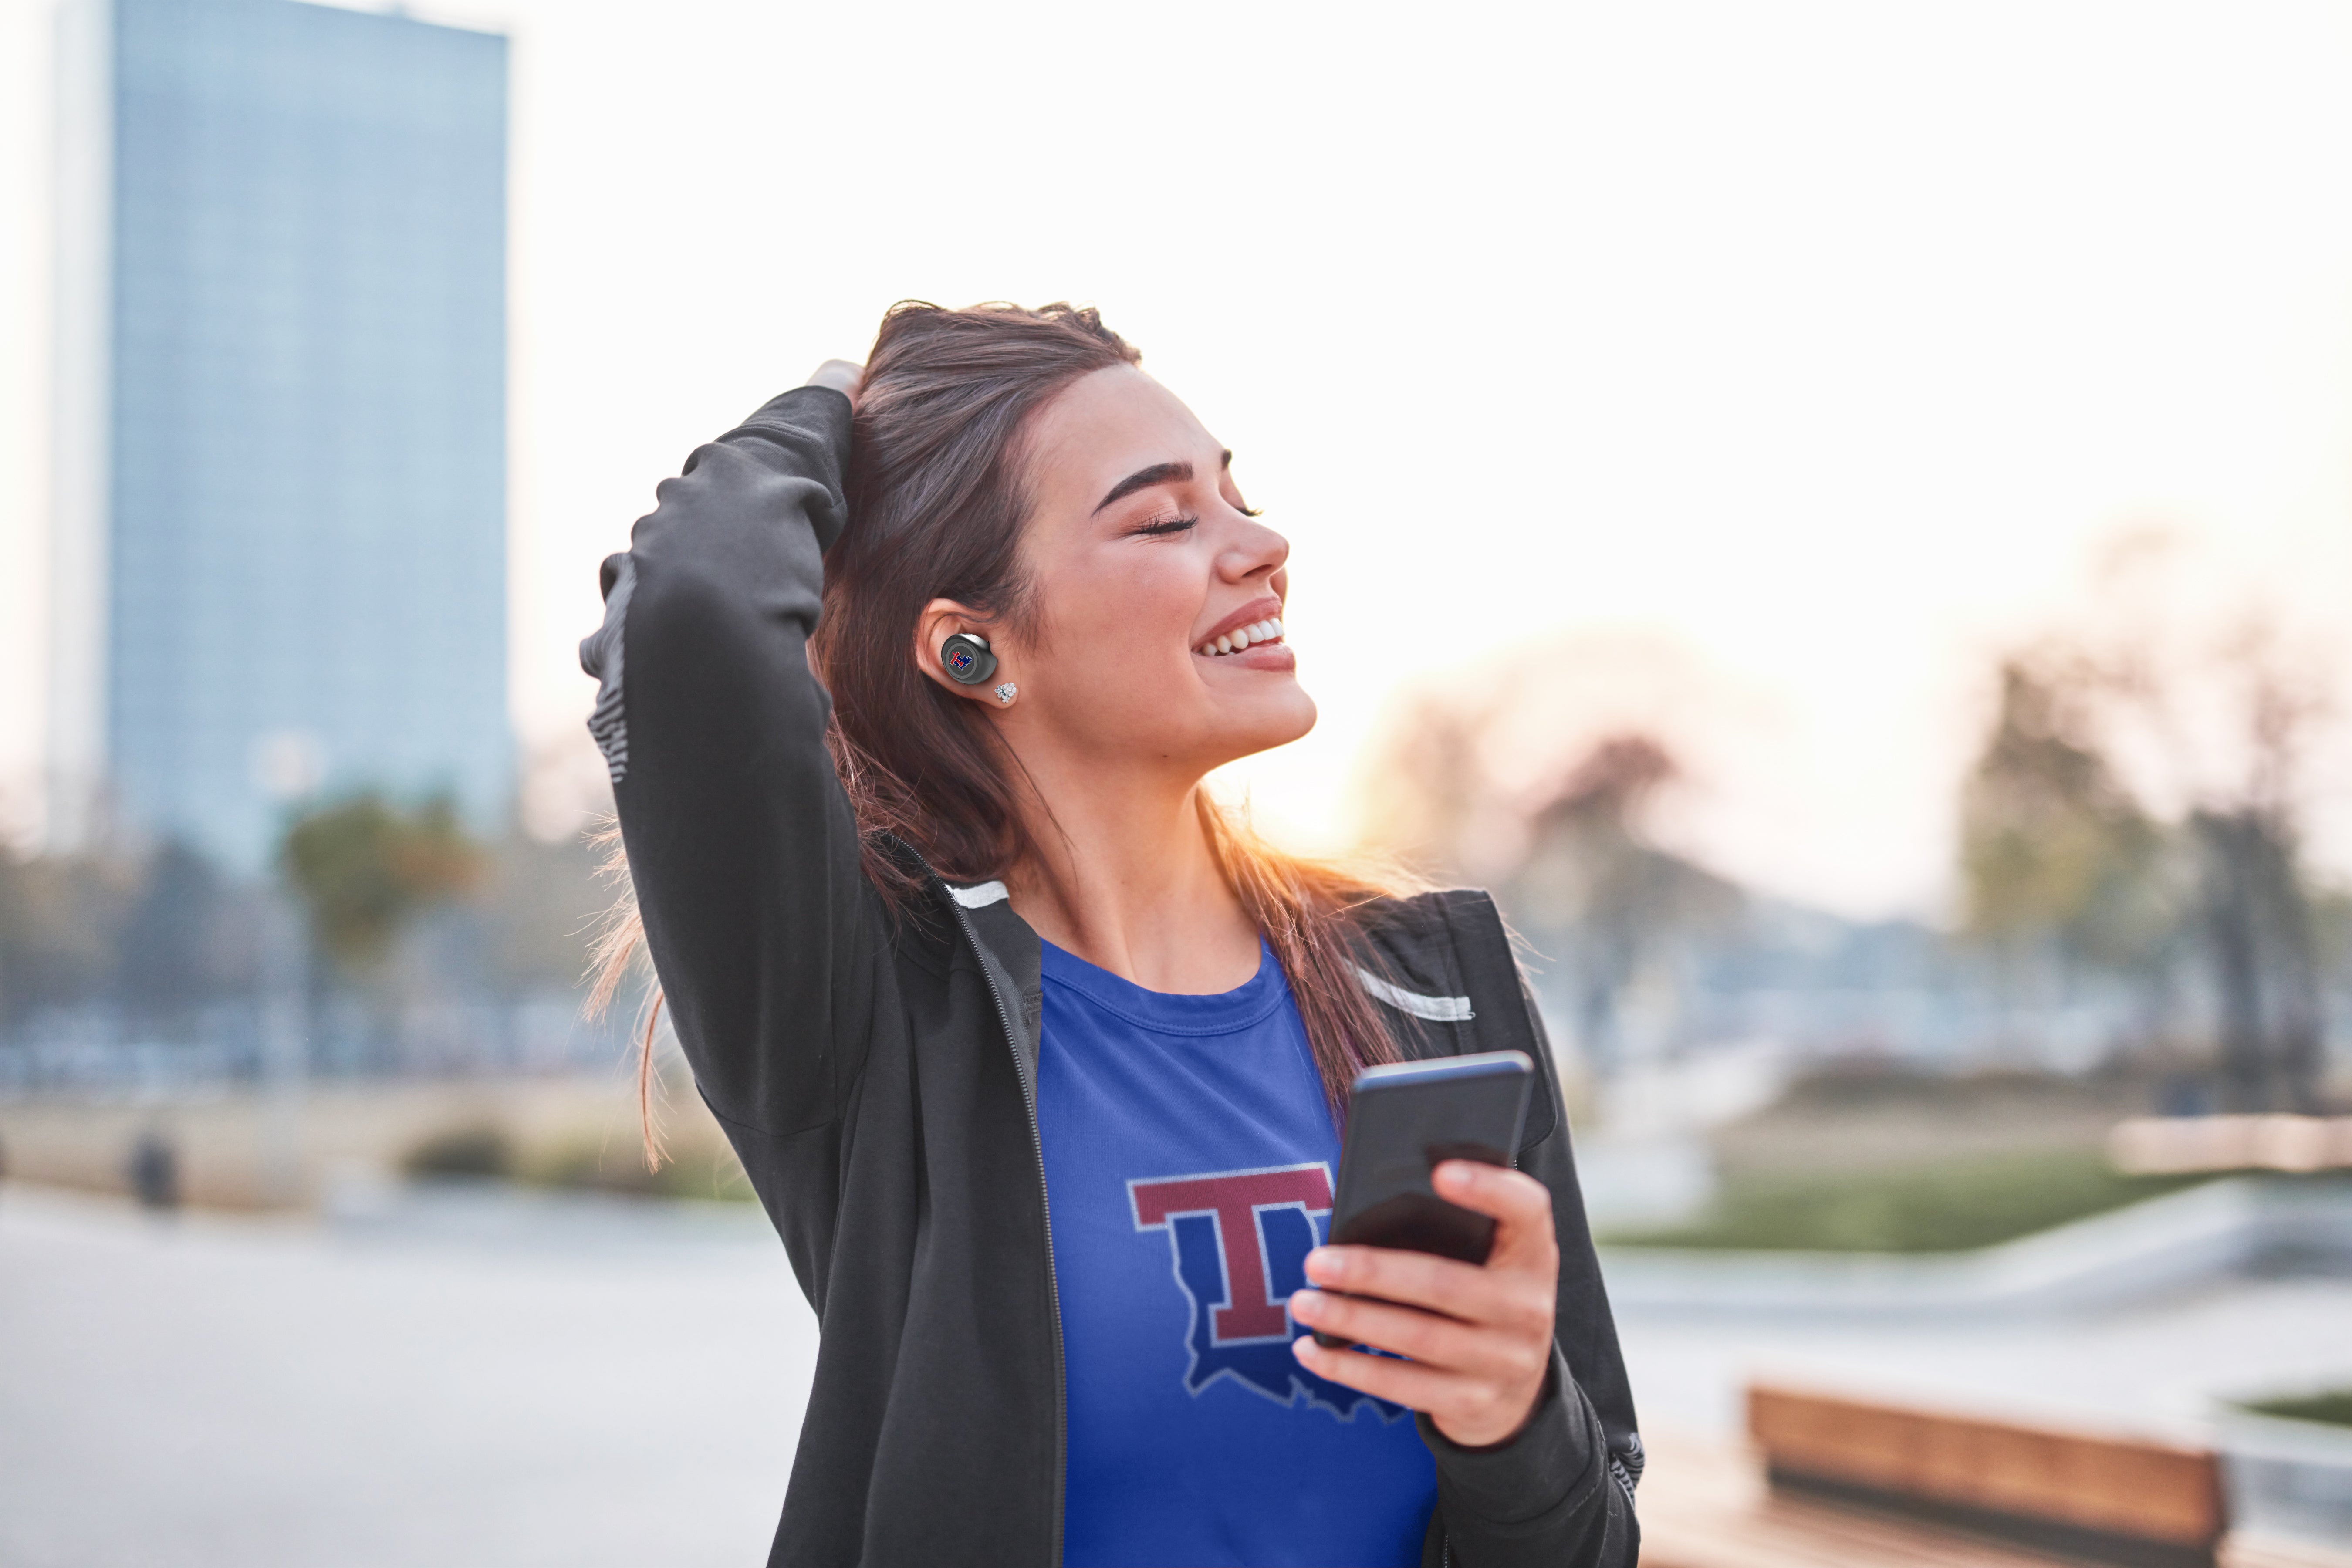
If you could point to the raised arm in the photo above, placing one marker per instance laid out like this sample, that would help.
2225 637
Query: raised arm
740 841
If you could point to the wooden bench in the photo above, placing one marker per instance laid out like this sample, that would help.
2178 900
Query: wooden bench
2095 1499
1708 1505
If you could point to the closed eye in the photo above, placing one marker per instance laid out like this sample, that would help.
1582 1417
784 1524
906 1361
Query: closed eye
1162 527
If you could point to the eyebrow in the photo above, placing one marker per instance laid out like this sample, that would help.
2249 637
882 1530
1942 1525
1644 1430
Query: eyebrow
1144 478
1157 474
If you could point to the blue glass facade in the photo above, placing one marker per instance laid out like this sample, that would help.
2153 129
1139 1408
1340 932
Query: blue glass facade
305 567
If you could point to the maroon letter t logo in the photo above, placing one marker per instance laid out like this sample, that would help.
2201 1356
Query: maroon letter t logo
1235 1198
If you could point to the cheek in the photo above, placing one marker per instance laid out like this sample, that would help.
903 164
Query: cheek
1122 624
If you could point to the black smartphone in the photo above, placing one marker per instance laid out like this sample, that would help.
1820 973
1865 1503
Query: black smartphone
1403 1119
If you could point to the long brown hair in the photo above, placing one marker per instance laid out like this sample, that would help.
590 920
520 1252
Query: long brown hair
937 498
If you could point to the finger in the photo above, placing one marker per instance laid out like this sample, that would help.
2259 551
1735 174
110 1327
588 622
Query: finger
1469 1349
1515 1302
1514 1294
1421 1280
1416 1278
1409 1384
1469 1411
1519 1204
1513 1197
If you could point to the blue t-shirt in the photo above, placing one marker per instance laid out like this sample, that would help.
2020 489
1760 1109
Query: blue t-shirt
1189 1164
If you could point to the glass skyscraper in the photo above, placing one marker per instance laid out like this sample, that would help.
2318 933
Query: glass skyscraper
281 534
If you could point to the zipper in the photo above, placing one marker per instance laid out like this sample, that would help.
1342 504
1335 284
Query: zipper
1044 1209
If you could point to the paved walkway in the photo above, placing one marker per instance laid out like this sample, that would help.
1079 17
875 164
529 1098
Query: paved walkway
498 1381
252 1395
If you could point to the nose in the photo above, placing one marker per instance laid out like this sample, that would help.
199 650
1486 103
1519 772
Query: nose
1254 551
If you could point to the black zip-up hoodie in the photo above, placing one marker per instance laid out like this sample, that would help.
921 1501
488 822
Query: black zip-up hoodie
877 1073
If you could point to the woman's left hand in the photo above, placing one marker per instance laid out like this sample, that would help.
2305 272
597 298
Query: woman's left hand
845 377
1479 1338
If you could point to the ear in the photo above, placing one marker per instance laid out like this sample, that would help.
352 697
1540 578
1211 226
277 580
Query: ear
942 619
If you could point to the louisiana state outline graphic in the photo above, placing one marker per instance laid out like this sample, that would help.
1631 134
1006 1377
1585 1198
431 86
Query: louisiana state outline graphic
1239 1241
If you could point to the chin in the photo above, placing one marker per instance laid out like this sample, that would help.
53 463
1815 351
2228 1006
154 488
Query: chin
1276 719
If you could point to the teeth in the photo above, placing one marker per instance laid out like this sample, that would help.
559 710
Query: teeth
1267 630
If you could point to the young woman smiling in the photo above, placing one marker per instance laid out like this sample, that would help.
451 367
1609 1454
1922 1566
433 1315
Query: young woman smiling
1035 1058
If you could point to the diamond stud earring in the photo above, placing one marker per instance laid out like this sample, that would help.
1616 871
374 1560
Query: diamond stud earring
1006 693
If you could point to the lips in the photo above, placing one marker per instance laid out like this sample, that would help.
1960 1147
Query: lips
1257 624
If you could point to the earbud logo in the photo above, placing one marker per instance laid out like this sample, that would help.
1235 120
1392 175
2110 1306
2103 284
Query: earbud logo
966 658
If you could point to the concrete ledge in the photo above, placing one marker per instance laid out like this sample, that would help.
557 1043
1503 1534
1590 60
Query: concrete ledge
2288 1479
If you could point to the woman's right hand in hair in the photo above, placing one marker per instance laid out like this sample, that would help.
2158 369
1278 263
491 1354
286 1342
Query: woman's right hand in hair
845 376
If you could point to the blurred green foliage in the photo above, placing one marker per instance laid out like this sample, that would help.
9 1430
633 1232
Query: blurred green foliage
59 917
582 1161
403 907
2068 872
1950 1206
366 867
2052 843
2332 1409
482 1150
694 1171
158 932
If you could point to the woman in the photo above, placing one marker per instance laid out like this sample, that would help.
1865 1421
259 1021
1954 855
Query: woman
1035 1058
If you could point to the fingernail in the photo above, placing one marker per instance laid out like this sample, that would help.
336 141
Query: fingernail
1324 1266
1306 1305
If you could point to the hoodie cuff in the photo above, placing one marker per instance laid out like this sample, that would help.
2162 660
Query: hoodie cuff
1528 1473
803 405
816 422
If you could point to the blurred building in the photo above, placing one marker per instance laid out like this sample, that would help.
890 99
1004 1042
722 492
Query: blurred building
280 556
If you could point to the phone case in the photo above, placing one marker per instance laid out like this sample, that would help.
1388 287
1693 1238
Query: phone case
1401 1122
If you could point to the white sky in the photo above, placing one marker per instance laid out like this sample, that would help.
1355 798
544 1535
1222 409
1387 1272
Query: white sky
1819 343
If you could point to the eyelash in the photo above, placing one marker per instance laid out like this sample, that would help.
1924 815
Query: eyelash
1171 525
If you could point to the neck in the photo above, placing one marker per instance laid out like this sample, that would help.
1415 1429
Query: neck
1123 877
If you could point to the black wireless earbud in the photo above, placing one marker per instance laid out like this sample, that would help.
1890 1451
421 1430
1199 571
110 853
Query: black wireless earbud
966 658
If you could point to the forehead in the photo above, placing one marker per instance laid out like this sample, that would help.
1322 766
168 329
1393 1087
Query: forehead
1104 427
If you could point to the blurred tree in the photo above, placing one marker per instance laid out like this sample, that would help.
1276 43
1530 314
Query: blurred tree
2257 905
540 903
59 918
1570 859
415 919
2256 919
1592 883
2053 847
2058 849
189 938
366 867
1428 786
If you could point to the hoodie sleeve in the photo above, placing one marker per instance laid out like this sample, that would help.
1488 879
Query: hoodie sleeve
1559 1493
741 844
1554 1494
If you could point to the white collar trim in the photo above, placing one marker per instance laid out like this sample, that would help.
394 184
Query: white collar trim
1437 1009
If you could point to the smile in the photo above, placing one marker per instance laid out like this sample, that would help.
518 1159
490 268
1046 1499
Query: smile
1240 637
